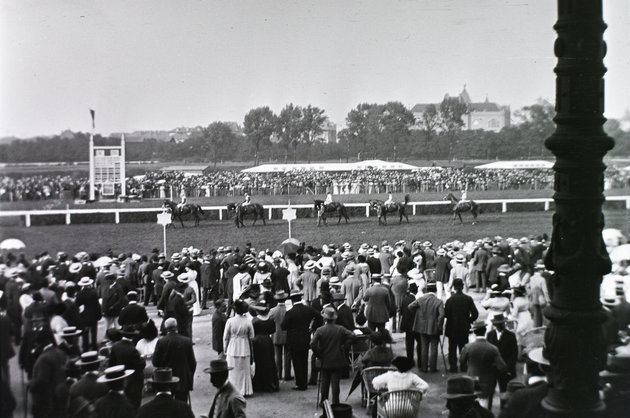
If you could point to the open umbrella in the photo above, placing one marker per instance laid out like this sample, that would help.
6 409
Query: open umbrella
289 245
102 261
12 244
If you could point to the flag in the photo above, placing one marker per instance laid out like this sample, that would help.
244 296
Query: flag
92 113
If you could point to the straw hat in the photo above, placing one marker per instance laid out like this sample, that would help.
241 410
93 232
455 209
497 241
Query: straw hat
114 373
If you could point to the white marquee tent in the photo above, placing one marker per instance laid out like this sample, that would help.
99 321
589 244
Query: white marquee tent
514 165
361 165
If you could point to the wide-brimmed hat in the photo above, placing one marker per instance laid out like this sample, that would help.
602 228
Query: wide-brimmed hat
280 295
184 278
310 265
381 337
217 366
478 325
296 294
167 275
164 376
536 355
441 252
504 268
129 330
85 281
499 319
402 363
90 357
114 373
459 258
75 268
460 387
70 332
512 386
350 268
329 313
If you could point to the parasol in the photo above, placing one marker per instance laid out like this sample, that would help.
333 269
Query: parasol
289 245
102 262
12 244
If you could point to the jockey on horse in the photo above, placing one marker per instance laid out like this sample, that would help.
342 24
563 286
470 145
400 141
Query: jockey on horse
182 199
247 200
389 201
328 200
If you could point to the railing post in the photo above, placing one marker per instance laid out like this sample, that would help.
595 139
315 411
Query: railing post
546 205
504 207
627 203
117 217
220 214
414 209
367 210
68 220
270 213
27 220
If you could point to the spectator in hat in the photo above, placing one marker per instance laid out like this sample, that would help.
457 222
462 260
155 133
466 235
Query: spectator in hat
228 401
113 300
345 318
307 281
386 258
329 345
479 263
443 269
133 315
266 374
460 313
379 305
352 287
114 404
163 405
219 318
48 374
89 312
176 308
381 353
520 312
482 360
505 341
495 260
279 337
460 399
538 295
158 280
87 386
280 276
237 338
496 303
428 322
459 271
406 323
124 353
176 352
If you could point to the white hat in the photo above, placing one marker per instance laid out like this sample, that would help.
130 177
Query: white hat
310 265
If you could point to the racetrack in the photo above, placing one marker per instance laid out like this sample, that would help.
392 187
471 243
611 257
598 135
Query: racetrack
142 237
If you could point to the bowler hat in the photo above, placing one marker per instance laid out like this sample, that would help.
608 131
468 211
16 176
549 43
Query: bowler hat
460 387
478 325
163 375
341 410
115 373
129 330
512 386
499 319
217 366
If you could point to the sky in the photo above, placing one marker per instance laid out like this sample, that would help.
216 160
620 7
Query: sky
161 64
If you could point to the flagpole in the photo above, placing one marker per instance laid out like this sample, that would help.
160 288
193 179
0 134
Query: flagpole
123 173
91 159
289 220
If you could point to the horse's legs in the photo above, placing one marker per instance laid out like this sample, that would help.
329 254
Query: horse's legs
461 221
181 221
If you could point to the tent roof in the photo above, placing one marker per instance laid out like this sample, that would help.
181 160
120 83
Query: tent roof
514 165
361 165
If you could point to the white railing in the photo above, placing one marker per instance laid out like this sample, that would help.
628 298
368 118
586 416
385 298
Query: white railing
223 209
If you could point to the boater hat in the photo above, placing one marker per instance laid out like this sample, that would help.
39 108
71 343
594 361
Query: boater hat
167 275
70 332
89 357
85 281
114 373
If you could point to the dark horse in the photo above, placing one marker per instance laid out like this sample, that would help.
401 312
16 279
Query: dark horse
459 207
382 210
241 211
332 207
188 209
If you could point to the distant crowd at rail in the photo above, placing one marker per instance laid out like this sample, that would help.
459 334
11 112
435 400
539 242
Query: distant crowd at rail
271 309
221 183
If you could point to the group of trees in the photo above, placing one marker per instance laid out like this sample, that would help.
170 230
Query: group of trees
383 131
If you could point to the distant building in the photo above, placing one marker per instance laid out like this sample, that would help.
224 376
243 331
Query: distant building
487 116
329 132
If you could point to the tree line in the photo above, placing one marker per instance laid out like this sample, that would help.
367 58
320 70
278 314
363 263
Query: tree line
373 131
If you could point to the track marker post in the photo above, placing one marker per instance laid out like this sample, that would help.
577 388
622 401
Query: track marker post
289 214
164 219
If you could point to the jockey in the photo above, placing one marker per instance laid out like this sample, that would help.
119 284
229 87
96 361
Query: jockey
328 200
182 199
247 200
464 196
389 201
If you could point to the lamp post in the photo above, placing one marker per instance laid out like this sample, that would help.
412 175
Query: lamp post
574 342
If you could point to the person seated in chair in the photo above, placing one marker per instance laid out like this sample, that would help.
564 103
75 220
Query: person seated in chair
389 201
247 200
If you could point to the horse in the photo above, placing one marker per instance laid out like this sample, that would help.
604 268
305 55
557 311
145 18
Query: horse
458 207
382 210
332 207
241 211
188 209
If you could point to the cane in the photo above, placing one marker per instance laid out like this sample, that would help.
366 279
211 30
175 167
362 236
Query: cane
442 351
25 396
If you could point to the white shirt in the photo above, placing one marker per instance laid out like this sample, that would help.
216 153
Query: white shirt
395 380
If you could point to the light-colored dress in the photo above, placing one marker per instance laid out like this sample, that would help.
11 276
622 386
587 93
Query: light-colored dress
396 380
520 312
196 306
236 338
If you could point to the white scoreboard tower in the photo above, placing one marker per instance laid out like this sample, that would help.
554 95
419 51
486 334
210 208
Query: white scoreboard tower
107 168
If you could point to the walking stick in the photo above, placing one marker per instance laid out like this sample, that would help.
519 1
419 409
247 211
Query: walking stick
25 396
442 351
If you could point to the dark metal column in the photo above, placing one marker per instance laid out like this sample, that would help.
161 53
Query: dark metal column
574 340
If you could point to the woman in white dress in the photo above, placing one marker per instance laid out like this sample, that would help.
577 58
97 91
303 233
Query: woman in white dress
237 338
190 277
520 312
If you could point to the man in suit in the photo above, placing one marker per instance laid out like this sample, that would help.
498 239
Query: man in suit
279 338
329 344
460 312
482 360
505 341
89 312
492 265
209 275
308 281
134 314
480 260
115 404
228 402
124 353
344 312
297 323
163 405
428 322
176 351
219 318
406 323
158 280
49 372
87 386
379 304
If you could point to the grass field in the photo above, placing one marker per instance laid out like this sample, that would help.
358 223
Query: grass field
142 237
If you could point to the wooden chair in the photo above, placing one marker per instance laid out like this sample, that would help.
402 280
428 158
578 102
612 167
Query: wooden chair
368 393
399 404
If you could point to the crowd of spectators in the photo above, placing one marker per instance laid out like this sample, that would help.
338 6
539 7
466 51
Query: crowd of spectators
159 184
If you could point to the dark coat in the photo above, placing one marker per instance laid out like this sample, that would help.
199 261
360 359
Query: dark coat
297 323
492 266
443 269
460 312
407 316
374 264
133 314
428 314
164 406
176 351
345 318
526 402
114 299
218 326
49 372
88 298
482 360
279 278
88 388
379 304
114 405
329 343
508 348
124 352
229 402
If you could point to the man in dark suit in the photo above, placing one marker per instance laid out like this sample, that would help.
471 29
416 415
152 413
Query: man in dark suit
176 351
379 304
505 341
133 315
115 404
492 265
124 352
428 322
163 405
329 344
460 312
344 312
89 312
406 323
297 322
87 387
49 372
279 338
483 361
228 402
219 318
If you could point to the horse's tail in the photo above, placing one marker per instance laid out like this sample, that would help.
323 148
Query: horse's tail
406 199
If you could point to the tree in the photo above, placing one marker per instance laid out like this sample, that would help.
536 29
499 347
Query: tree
288 127
311 127
395 121
215 138
536 121
258 127
429 122
451 112
362 125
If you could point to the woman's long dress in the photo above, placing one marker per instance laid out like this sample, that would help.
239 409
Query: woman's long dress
520 312
266 377
197 305
238 332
